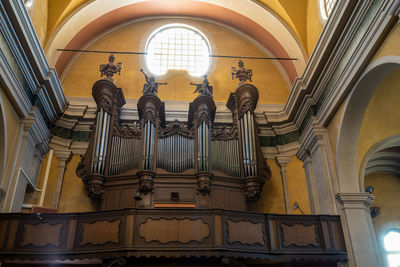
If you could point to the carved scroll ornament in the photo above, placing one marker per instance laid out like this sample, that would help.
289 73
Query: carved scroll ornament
126 131
176 127
224 134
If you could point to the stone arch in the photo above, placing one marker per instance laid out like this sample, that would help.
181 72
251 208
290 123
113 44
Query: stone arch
355 107
387 161
3 141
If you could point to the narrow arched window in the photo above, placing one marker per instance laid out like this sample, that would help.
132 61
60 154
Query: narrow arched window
178 47
392 247
326 7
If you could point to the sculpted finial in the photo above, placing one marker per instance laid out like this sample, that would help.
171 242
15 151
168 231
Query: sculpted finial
203 88
241 73
110 68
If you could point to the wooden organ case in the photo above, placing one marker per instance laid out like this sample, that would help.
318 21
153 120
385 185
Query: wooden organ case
161 163
202 176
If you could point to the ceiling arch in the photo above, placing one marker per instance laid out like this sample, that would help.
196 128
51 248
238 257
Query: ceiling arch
96 17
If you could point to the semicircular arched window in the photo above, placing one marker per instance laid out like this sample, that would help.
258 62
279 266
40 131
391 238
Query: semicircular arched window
178 47
326 7
392 247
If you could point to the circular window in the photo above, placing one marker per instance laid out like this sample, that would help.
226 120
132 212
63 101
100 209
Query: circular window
178 47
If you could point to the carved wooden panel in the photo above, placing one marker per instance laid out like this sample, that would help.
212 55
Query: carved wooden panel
40 235
299 235
245 232
174 230
100 232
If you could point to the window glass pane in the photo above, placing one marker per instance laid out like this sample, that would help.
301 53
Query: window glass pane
178 47
394 260
392 241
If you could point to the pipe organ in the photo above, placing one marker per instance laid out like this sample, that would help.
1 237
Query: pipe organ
159 162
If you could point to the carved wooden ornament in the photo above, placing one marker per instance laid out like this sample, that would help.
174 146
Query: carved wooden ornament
299 235
174 230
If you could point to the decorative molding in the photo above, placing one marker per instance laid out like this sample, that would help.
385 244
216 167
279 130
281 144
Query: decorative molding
300 235
110 232
355 200
31 60
41 235
245 232
165 230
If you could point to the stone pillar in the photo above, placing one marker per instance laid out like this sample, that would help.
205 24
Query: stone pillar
63 156
316 154
358 230
283 161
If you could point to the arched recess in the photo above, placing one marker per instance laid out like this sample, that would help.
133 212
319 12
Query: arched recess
355 106
3 141
382 157
246 16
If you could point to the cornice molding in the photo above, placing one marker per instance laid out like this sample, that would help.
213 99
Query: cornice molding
42 82
355 200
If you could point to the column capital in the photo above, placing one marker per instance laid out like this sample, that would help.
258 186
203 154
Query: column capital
359 200
283 160
312 137
62 155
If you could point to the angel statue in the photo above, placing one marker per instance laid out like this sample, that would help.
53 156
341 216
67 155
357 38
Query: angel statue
203 88
151 86
241 73
110 68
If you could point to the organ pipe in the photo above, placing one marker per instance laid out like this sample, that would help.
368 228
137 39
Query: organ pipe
175 153
101 142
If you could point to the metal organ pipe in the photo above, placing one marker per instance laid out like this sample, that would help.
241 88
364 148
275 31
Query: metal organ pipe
248 144
253 144
96 142
101 142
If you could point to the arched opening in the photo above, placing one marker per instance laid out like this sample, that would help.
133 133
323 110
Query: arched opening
380 173
355 107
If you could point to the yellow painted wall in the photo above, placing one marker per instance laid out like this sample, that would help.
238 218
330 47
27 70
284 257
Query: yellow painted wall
73 195
293 13
38 13
297 186
50 196
386 190
314 25
390 46
272 198
85 71
381 118
59 10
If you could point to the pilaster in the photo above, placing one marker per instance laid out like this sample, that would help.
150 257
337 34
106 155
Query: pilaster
283 161
63 156
358 229
320 170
